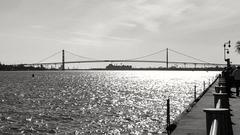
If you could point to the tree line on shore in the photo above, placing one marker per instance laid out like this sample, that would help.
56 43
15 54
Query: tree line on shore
5 67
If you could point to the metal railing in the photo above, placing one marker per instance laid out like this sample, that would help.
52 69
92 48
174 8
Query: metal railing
214 125
218 118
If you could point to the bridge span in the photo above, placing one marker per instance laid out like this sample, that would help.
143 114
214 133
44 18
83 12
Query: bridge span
195 65
133 61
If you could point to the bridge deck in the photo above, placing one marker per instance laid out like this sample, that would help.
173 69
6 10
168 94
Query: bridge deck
194 122
131 61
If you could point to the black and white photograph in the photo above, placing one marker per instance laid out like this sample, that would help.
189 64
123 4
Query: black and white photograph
119 67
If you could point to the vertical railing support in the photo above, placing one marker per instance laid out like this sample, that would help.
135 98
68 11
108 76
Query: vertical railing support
222 82
195 92
222 89
63 60
224 99
222 117
168 116
204 85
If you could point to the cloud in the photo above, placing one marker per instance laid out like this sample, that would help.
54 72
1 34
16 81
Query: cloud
37 26
103 37
121 24
157 15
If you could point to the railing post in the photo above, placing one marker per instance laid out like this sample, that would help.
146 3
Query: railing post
222 82
168 116
224 99
195 92
63 60
204 85
222 117
219 89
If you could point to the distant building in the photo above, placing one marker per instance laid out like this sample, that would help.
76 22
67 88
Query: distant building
118 67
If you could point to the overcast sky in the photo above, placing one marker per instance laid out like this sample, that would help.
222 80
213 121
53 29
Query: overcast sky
31 30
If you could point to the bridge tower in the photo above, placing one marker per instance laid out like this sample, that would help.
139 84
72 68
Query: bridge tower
167 58
63 60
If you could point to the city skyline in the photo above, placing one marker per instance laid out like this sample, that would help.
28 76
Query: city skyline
113 29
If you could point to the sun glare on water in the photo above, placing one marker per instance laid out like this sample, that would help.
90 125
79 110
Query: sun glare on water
95 102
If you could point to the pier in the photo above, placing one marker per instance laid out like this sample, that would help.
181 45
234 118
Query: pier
216 113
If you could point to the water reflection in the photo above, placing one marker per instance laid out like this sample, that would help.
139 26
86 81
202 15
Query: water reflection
94 102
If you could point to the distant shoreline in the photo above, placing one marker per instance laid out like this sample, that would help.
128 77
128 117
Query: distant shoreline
133 69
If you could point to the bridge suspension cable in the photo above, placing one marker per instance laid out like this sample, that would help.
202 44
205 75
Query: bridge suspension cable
148 55
49 57
80 56
189 56
136 59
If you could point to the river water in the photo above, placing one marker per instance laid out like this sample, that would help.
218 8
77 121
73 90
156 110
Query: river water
94 102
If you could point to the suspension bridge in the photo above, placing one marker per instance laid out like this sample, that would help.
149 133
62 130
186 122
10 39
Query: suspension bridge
197 64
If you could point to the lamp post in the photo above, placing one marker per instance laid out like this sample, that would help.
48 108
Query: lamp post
226 46
227 72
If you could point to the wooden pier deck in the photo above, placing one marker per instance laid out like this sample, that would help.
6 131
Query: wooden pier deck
194 122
